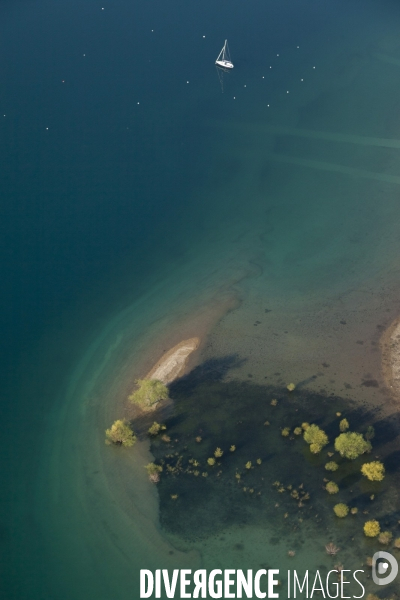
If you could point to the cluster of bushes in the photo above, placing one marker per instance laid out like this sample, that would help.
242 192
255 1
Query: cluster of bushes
149 393
349 445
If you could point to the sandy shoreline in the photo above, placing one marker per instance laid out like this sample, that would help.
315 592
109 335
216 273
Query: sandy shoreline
390 347
173 364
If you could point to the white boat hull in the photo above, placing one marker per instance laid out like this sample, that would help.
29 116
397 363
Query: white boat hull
225 64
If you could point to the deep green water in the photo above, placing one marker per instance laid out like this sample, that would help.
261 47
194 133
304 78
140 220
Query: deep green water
137 198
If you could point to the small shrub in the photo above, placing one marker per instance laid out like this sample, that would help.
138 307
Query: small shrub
259 461
305 426
218 453
341 510
149 394
385 538
372 528
354 510
153 468
374 471
351 445
290 387
248 464
396 543
344 425
316 437
331 466
297 431
211 461
274 402
370 433
332 487
121 434
154 429
153 472
285 431
232 448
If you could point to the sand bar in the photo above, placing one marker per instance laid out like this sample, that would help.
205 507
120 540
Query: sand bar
173 364
390 346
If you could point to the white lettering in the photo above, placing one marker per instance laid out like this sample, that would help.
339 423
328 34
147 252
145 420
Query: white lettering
241 582
215 593
146 577
200 580
228 583
342 582
170 587
158 584
334 584
320 589
305 582
272 583
359 583
257 591
184 583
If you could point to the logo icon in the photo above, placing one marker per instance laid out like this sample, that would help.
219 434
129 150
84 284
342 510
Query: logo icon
380 566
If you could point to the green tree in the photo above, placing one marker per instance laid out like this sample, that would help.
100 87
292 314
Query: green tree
341 510
374 471
351 445
150 393
120 433
153 472
331 466
316 437
372 528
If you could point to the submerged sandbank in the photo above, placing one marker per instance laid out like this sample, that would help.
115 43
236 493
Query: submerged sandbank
390 346
173 364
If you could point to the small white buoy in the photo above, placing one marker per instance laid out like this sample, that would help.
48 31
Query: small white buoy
313 67
245 86
301 79
277 54
187 82
287 91
204 36
298 46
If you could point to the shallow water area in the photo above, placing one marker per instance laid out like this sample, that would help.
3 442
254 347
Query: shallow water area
262 501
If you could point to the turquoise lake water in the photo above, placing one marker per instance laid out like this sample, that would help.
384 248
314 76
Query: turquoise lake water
144 203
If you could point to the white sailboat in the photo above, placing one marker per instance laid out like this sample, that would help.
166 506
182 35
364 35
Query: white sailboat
223 59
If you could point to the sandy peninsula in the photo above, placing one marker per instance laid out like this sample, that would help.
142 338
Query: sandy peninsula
173 363
390 346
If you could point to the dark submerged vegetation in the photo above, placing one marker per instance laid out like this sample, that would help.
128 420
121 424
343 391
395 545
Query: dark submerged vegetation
219 488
